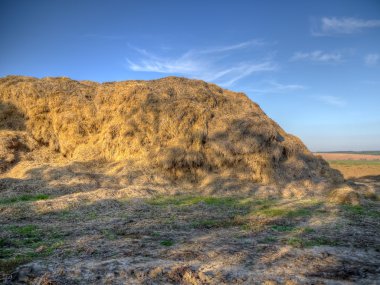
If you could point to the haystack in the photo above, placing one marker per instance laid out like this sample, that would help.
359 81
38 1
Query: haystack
186 129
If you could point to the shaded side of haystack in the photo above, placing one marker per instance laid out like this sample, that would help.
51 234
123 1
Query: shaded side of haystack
14 145
185 128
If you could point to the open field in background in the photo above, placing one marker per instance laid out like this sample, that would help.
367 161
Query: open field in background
371 152
354 165
349 156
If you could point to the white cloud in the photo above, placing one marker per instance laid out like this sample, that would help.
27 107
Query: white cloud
318 56
331 100
207 64
243 70
332 26
234 47
276 87
371 59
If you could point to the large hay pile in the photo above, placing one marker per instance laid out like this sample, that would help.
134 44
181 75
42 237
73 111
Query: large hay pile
186 129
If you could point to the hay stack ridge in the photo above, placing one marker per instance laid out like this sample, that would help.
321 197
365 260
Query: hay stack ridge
187 129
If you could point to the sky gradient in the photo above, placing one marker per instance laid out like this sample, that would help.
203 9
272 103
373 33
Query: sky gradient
313 66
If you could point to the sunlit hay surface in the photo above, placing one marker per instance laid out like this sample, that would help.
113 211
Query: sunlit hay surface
187 129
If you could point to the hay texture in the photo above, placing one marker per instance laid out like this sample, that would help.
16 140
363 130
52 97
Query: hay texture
184 129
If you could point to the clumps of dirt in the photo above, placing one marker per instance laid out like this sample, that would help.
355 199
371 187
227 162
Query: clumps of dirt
186 129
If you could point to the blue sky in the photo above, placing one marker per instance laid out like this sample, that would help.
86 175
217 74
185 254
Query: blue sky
313 66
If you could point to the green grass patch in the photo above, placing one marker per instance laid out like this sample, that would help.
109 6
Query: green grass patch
24 198
272 212
295 242
193 200
358 210
155 234
8 265
278 228
214 223
110 234
167 242
307 230
268 240
314 241
25 231
21 244
302 212
6 252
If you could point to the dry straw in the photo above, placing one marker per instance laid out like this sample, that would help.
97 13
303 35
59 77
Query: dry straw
184 129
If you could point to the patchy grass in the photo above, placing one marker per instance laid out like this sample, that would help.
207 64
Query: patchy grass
23 198
269 239
283 228
183 201
310 242
358 210
214 223
21 244
307 230
8 265
283 212
188 224
109 234
167 242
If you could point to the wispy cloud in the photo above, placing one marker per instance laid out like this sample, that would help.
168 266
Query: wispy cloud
209 64
328 26
251 43
267 87
318 56
331 100
371 59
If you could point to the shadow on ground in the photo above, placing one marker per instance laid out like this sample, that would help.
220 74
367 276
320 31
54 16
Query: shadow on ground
91 228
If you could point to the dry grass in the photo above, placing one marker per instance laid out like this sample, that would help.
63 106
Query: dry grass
356 169
140 234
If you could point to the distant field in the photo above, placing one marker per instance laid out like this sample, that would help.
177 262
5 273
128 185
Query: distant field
349 156
354 164
377 152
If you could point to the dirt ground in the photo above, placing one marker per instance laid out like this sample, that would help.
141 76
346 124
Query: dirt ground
73 225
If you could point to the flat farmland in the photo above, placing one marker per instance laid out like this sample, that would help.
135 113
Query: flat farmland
354 165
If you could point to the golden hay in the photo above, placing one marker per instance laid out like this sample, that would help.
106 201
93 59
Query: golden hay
184 128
